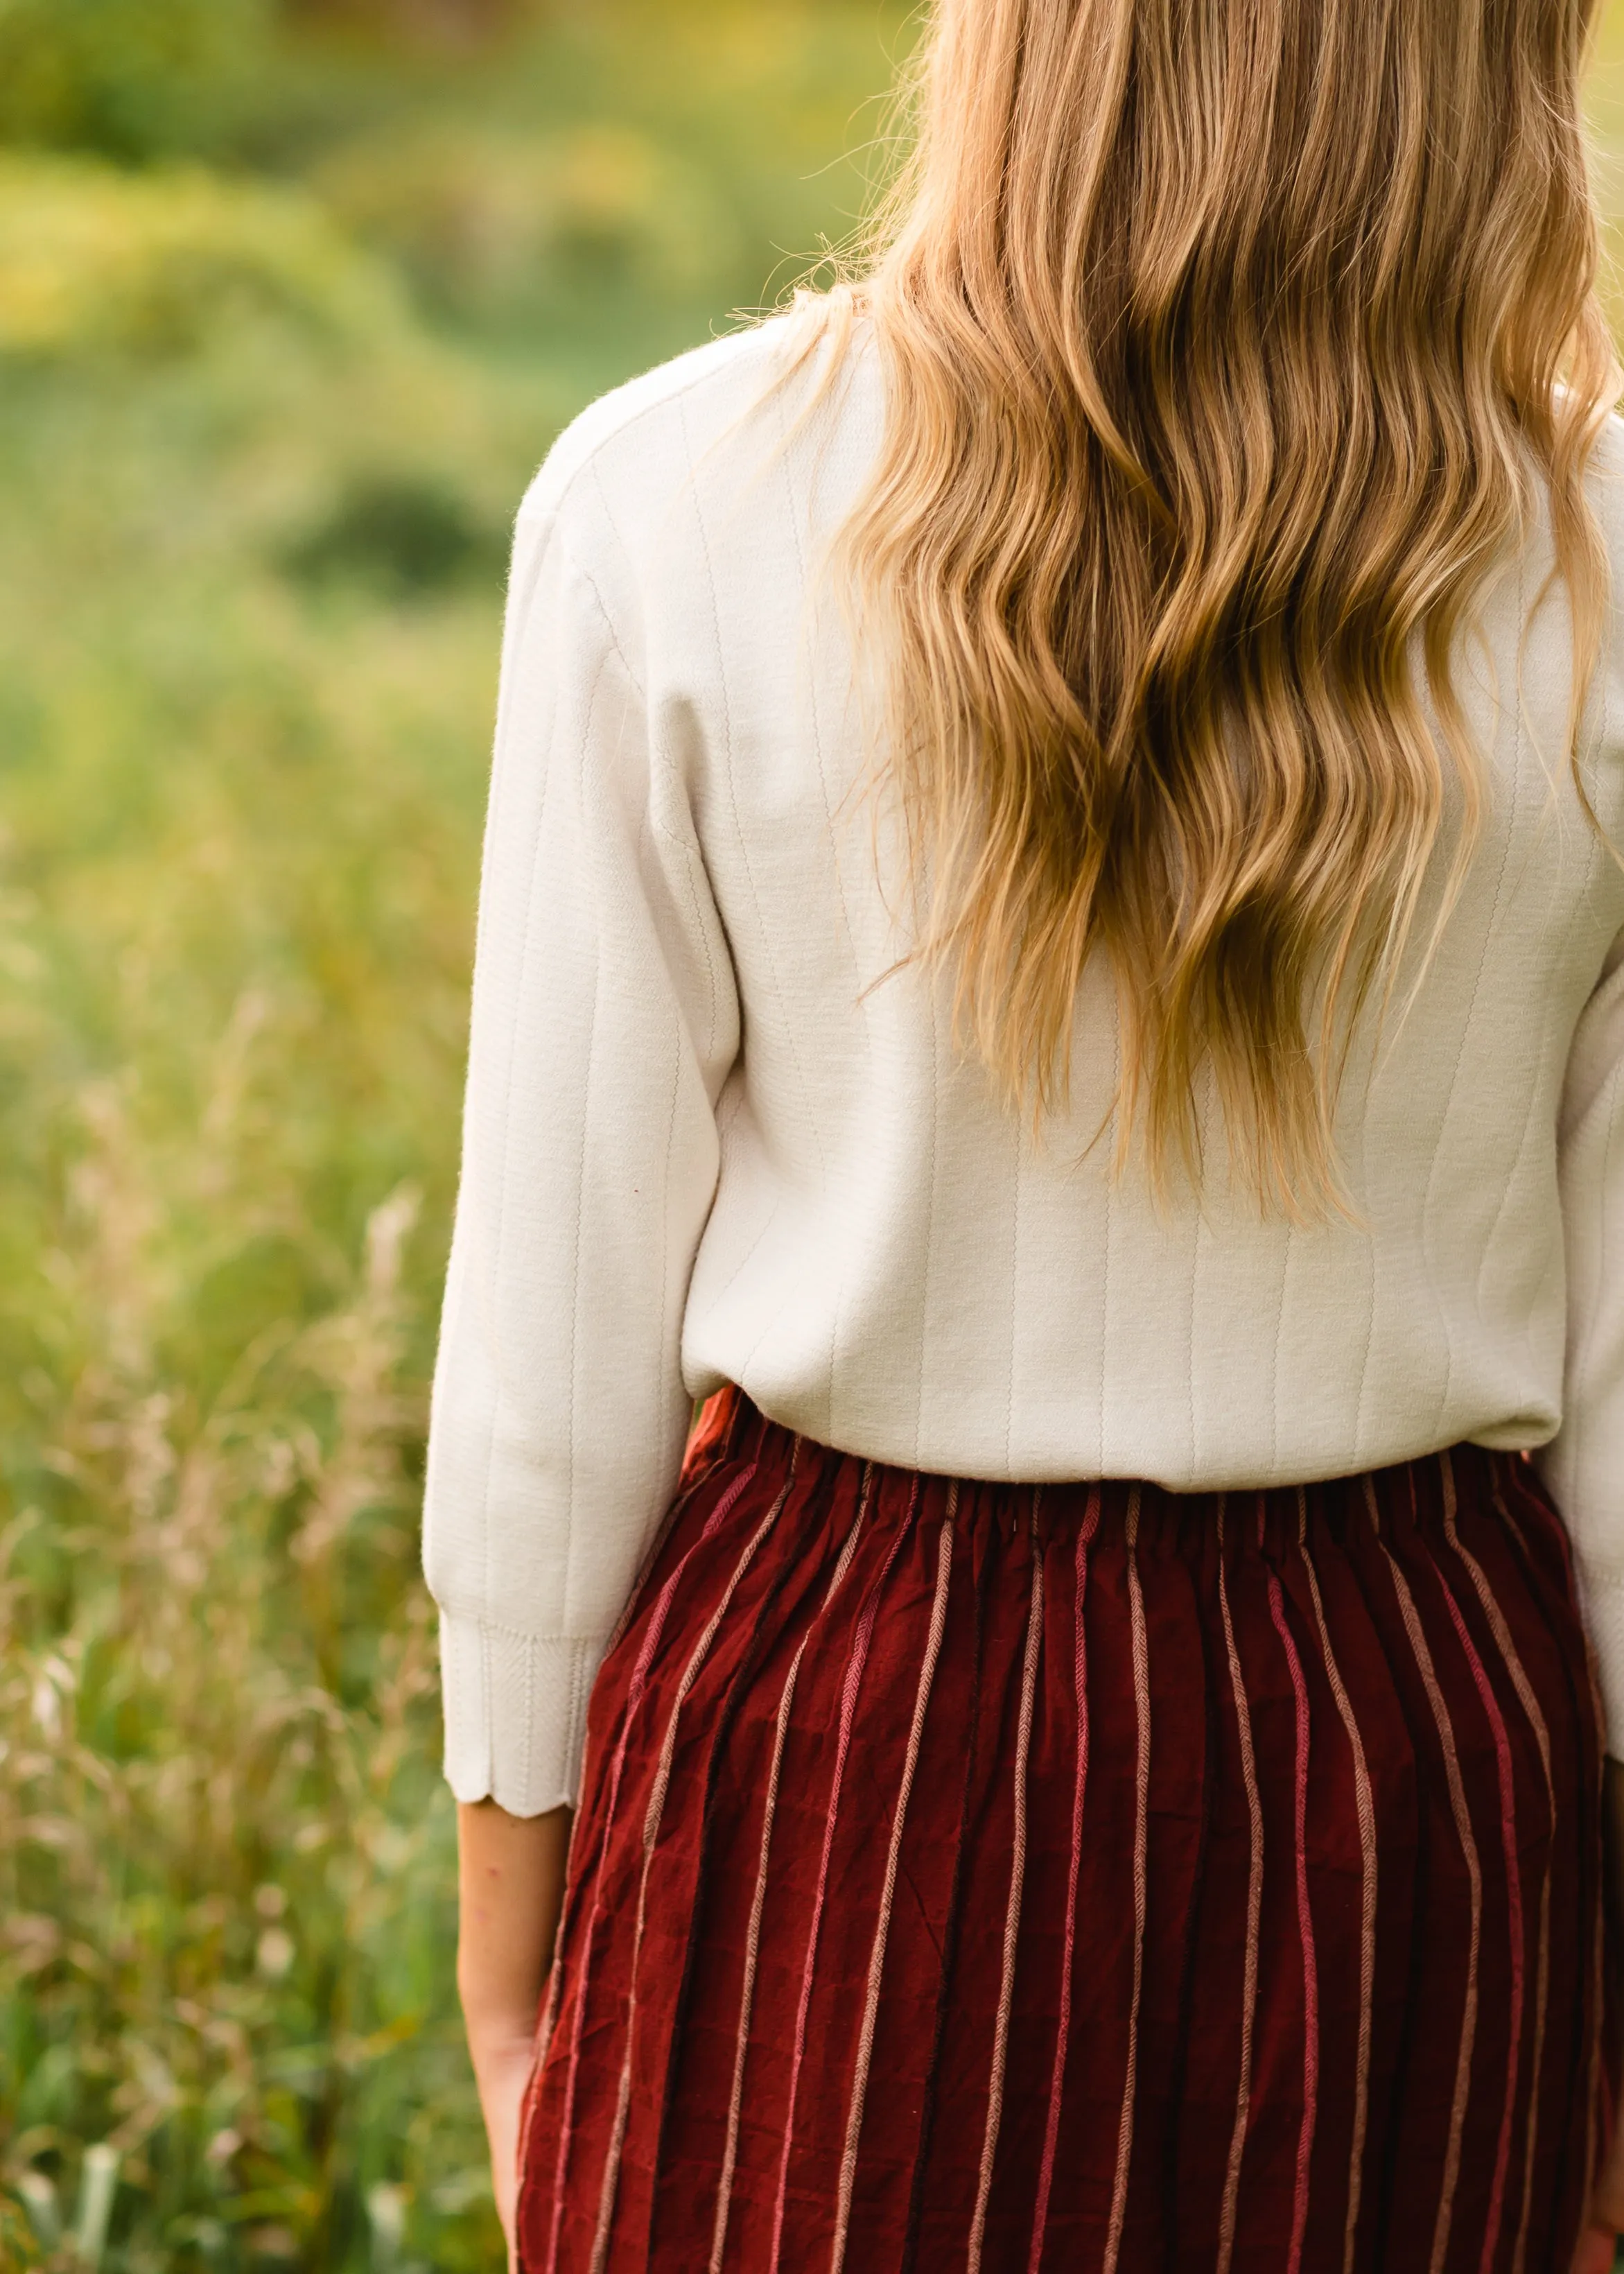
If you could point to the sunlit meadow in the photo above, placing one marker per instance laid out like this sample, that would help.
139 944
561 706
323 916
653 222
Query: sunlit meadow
291 303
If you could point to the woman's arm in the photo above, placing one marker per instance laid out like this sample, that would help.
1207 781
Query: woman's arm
604 1023
510 1883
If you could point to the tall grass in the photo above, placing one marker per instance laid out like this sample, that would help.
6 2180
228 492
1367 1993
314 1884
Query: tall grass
233 939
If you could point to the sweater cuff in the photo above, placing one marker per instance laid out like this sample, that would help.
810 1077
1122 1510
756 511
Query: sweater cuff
1602 1588
514 1711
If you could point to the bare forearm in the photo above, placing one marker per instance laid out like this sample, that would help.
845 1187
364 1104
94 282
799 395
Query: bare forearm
510 1886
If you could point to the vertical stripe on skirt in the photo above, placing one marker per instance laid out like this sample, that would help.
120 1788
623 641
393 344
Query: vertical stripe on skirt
1141 1830
877 1961
1305 1927
752 1949
1080 1793
1467 2038
1365 1813
1011 1915
1091 1878
855 1665
1535 1720
1246 2017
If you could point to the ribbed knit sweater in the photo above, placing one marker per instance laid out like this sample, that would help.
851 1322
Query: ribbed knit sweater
713 1134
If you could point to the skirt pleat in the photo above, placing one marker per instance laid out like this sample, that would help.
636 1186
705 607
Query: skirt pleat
1082 1877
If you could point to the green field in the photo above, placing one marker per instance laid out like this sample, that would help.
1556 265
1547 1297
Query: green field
287 314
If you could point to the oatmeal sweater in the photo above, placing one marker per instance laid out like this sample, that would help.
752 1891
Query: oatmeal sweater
706 1137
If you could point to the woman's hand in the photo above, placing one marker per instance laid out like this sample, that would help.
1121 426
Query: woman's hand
1598 2244
510 1886
502 2072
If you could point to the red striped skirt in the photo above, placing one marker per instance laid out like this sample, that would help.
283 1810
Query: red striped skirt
1086 1876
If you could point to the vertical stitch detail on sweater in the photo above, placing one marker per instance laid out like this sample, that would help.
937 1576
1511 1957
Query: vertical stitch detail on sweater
933 1121
1009 1387
816 715
1515 803
764 934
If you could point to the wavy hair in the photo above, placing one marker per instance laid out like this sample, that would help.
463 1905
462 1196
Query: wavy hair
1228 345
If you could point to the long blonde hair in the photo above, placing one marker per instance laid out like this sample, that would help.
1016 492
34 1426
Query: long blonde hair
1227 343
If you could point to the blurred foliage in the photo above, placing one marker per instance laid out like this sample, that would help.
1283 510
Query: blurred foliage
292 299
481 220
92 260
460 22
400 534
129 77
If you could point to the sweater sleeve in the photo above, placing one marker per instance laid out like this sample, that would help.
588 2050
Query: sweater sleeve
603 1023
1584 1463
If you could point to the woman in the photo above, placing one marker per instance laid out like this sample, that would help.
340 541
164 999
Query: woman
1051 946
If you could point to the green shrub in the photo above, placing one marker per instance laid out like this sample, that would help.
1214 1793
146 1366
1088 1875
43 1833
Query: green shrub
158 264
133 77
484 219
401 535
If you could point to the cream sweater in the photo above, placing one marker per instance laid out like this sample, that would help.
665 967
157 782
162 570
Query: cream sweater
703 1144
